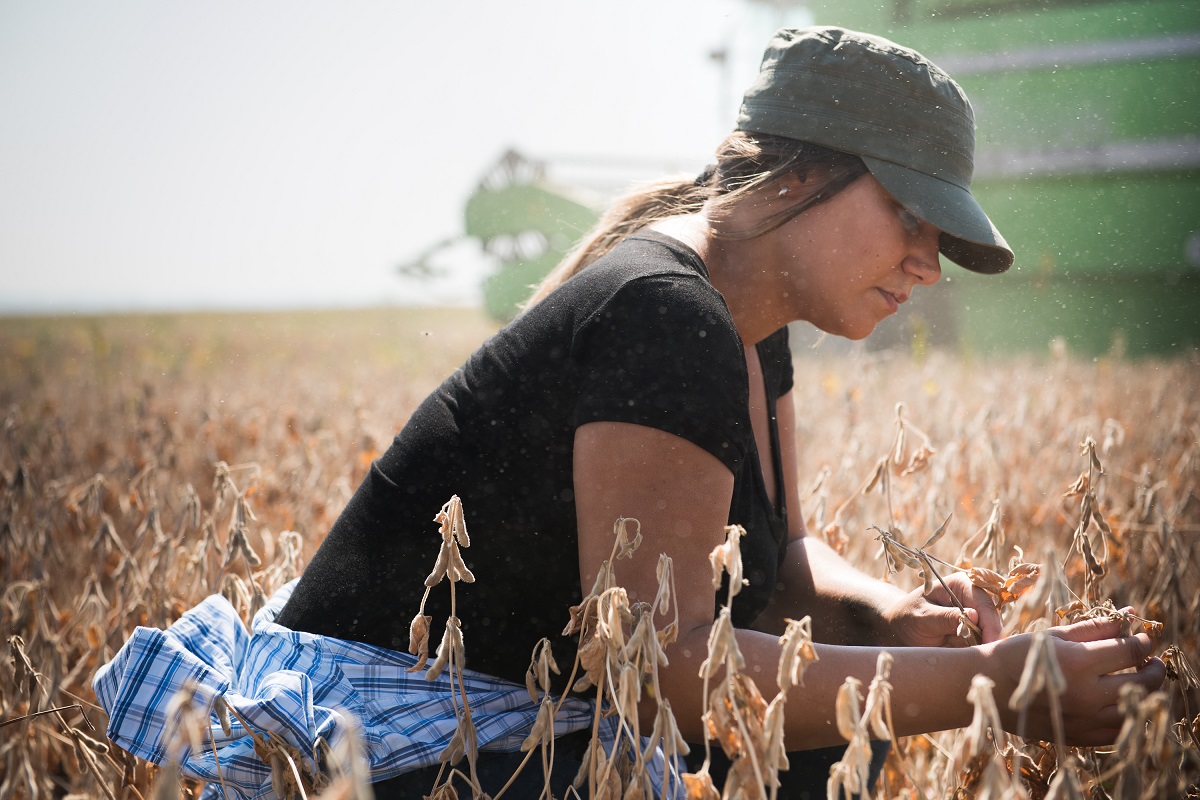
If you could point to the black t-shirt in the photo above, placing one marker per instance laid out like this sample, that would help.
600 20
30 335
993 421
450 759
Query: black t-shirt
640 336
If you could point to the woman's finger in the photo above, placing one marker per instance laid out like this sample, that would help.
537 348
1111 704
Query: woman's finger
1090 630
1106 721
989 618
1114 655
1150 674
973 598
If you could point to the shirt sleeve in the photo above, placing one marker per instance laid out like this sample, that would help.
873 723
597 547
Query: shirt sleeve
663 352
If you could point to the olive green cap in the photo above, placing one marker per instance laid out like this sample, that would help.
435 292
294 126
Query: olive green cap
907 119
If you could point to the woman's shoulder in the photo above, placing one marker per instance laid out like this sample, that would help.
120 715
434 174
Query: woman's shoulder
650 252
648 295
647 273
648 267
652 275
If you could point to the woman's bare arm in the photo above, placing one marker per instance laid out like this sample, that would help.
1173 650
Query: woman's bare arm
680 494
848 606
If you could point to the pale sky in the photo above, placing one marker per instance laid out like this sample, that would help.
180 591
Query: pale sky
257 154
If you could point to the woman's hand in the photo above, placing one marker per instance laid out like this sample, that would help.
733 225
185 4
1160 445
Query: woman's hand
920 620
1090 655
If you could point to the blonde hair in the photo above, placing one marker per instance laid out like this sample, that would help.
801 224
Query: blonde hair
746 163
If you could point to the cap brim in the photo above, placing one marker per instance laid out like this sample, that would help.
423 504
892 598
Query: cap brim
969 238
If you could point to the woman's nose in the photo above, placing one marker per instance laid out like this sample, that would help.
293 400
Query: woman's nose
923 261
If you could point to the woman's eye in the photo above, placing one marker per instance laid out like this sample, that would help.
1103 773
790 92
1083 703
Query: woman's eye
909 221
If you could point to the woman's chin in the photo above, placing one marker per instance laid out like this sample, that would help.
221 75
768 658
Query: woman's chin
851 333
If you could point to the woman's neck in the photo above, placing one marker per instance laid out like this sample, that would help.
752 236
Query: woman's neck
740 270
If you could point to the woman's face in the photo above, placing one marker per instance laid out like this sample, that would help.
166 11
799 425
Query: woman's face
852 260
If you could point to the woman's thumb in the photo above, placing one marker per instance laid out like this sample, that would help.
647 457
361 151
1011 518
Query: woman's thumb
949 623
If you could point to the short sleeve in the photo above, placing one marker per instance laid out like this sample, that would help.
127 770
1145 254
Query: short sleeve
663 352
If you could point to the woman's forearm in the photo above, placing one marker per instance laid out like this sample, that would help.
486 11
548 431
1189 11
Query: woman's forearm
929 693
845 604
930 684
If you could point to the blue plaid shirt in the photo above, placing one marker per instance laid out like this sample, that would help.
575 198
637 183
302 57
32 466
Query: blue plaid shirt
297 687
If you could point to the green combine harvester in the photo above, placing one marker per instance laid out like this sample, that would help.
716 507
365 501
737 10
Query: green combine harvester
527 225
1088 160
523 222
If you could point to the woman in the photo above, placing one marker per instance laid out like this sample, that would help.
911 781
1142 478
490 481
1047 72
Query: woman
650 378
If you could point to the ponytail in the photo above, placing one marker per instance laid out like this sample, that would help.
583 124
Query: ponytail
746 163
645 204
